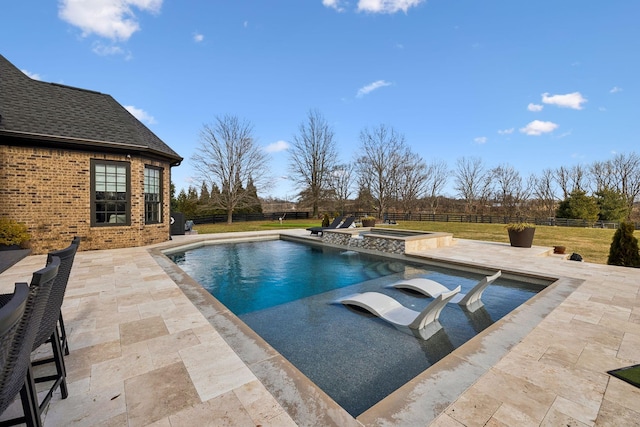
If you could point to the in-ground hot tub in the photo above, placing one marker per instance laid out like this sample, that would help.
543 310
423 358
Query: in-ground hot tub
387 240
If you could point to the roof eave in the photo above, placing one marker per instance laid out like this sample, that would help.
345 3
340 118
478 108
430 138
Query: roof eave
79 143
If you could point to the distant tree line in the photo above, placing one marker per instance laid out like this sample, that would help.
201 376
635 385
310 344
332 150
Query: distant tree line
386 175
605 190
205 203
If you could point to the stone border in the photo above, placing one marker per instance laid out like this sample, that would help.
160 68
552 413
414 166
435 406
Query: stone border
419 401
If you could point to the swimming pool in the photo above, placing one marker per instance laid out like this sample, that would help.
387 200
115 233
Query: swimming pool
284 291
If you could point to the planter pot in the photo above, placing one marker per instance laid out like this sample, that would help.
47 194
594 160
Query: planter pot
559 249
521 239
368 222
9 247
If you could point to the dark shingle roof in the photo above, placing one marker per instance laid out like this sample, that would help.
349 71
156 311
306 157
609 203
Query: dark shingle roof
61 114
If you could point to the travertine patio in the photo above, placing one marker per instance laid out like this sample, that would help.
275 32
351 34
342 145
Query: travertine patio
149 348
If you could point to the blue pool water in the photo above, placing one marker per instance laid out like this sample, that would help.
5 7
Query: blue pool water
252 276
285 291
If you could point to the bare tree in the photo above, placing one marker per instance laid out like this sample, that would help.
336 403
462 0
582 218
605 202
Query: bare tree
602 176
626 174
227 156
341 183
620 174
384 151
471 181
543 190
510 191
485 194
562 178
412 180
435 180
313 157
579 178
571 179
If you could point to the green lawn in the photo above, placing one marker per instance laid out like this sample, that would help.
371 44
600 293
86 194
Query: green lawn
592 243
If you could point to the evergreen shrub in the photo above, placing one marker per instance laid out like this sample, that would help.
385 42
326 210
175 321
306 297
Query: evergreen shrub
624 247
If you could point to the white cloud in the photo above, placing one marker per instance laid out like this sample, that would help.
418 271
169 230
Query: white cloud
198 37
333 4
386 6
480 139
506 131
34 76
615 89
565 134
371 87
104 50
538 127
140 114
534 107
277 146
570 100
602 109
113 19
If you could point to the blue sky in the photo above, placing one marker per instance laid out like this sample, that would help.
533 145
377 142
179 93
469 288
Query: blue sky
533 84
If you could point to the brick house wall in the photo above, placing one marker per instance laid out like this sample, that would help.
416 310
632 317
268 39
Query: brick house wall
49 190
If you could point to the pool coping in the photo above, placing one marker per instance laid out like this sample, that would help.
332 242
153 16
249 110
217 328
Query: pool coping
420 400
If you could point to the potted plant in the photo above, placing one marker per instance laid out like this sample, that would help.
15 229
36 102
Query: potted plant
368 221
325 220
521 234
13 235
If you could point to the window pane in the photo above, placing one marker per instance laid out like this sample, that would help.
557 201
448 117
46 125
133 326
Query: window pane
110 186
152 195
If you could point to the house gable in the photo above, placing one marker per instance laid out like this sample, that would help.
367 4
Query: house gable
51 114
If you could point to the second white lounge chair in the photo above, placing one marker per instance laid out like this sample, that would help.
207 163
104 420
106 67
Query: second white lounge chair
471 300
387 308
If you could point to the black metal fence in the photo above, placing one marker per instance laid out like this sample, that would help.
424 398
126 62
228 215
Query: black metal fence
272 216
496 219
398 217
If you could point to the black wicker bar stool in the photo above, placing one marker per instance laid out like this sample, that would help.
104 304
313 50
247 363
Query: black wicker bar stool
48 331
16 376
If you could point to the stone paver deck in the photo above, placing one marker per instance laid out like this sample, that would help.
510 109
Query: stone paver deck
149 348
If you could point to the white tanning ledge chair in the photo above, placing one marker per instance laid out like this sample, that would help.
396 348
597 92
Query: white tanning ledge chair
471 301
423 324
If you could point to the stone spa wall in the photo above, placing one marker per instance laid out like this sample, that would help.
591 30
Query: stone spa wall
366 238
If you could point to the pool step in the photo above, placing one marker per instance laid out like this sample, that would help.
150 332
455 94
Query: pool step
381 269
